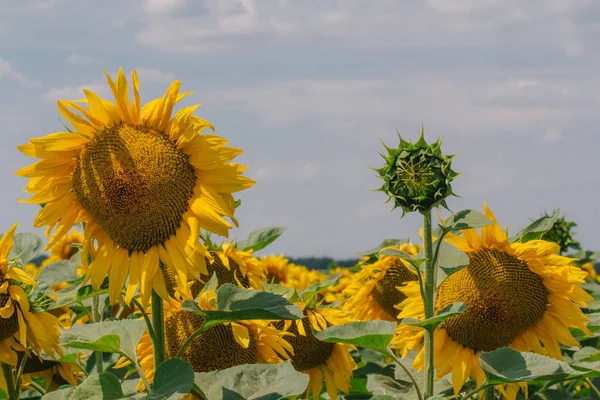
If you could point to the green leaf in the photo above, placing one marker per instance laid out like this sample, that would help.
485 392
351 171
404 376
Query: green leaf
103 386
465 219
173 379
450 260
537 228
385 243
507 365
253 381
26 246
261 238
384 385
375 335
238 304
317 287
415 262
61 394
75 293
58 272
587 358
430 323
109 336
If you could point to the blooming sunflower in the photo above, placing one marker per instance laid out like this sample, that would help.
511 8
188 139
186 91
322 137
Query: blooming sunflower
374 294
336 292
21 327
320 360
219 347
275 268
54 373
142 181
519 295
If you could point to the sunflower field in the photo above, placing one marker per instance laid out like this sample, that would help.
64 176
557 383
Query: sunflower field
137 293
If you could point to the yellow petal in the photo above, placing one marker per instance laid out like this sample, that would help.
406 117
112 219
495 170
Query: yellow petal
241 335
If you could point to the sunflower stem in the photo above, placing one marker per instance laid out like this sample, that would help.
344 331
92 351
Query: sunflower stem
593 387
189 340
146 318
37 387
159 329
488 394
429 302
21 369
10 381
97 317
475 391
410 375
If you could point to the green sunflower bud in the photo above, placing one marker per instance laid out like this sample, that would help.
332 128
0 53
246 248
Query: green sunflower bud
417 176
561 233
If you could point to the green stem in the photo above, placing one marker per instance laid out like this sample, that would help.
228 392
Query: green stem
146 318
10 381
189 340
489 393
140 372
475 391
593 387
410 375
21 369
429 303
97 317
37 387
159 330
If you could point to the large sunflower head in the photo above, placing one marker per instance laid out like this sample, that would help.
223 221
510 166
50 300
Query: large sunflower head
275 268
519 295
331 362
142 179
375 294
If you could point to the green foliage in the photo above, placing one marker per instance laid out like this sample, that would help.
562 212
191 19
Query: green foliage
431 323
375 335
173 379
465 219
26 246
264 382
261 238
537 229
237 304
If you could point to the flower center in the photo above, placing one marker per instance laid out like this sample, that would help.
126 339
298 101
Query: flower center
385 293
212 350
8 326
309 352
135 183
503 297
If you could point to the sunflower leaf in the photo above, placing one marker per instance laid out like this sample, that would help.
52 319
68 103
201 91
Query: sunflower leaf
253 381
450 260
238 304
58 272
75 293
375 335
173 379
261 238
104 386
537 228
465 219
384 244
430 323
506 365
109 336
317 287
26 246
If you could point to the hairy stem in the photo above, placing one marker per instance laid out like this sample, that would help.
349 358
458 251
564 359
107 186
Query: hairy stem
429 302
97 317
410 375
159 330
146 318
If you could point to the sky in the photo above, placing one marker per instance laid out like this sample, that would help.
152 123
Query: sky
310 88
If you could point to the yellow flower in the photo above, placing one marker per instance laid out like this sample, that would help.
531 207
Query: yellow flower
142 181
373 294
331 362
276 268
52 372
20 327
590 270
519 295
337 292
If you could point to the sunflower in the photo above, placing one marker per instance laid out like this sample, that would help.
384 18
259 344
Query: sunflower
142 181
373 294
519 295
219 347
54 373
336 292
300 277
320 360
275 268
21 327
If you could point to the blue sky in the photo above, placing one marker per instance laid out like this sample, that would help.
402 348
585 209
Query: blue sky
308 89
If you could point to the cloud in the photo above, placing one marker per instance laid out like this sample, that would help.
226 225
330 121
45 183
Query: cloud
73 92
9 73
551 136
79 59
148 76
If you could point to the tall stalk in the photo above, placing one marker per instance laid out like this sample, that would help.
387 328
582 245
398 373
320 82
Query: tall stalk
159 329
97 317
429 302
10 381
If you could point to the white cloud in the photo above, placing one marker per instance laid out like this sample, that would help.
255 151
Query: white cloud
162 6
74 92
148 76
79 59
9 73
551 136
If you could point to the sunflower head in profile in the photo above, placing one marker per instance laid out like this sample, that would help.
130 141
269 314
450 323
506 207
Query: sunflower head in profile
519 295
218 347
276 268
144 181
320 360
374 293
53 373
22 327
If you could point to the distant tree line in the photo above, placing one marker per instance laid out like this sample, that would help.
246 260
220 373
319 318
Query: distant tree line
323 262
